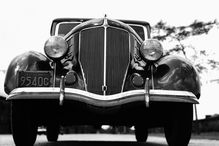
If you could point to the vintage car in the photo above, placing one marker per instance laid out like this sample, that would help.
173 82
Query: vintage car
101 72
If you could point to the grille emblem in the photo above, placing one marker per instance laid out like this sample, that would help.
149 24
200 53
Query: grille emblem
104 88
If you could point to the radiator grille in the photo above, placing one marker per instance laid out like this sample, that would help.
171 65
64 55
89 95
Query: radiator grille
91 57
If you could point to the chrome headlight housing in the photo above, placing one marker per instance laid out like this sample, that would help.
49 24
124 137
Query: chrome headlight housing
151 50
56 47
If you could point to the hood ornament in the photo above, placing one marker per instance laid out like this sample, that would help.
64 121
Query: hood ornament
105 23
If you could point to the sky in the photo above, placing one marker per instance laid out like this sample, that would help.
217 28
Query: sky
25 25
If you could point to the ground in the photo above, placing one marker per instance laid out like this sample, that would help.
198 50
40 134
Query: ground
113 139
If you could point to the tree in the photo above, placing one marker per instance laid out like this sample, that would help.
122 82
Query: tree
177 35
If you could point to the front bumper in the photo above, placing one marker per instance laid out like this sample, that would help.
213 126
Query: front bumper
54 93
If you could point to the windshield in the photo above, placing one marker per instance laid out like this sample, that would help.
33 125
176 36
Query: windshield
139 30
64 27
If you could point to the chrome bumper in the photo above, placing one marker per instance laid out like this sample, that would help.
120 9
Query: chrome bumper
50 93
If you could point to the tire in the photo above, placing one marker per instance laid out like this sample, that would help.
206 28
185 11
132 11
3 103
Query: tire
52 132
24 129
179 126
141 133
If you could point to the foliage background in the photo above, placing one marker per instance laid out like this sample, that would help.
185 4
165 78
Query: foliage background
179 36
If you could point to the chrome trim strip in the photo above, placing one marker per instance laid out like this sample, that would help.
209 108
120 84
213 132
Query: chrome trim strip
48 93
79 61
104 61
126 72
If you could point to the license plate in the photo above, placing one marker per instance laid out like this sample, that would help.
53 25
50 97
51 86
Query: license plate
35 78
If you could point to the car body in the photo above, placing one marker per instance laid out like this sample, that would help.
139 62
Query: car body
101 72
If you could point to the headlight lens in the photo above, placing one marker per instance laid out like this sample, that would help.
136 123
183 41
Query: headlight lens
151 50
56 47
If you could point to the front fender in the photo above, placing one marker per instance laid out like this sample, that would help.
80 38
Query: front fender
176 73
29 61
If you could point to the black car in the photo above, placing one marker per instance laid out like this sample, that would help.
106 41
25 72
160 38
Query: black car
101 72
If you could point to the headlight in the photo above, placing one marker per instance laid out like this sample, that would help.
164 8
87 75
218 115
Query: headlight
151 50
56 47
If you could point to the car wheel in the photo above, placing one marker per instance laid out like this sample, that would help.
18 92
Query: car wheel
141 133
179 127
52 132
24 129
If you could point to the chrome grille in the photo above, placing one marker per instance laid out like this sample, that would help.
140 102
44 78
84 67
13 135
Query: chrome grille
104 76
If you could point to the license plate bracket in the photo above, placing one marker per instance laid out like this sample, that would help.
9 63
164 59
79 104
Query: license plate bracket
35 78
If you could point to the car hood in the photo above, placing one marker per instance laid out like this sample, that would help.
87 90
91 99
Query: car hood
103 22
